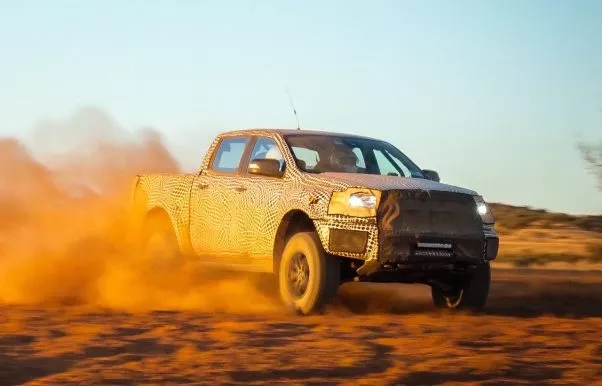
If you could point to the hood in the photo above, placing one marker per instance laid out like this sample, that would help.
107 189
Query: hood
373 181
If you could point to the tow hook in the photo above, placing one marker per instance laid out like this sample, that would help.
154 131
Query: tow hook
368 268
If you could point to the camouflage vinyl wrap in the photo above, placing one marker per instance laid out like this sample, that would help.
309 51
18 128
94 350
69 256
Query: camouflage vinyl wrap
237 217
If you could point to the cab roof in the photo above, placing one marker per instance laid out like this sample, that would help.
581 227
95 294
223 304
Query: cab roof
285 132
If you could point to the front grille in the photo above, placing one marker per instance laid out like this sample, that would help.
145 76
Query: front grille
408 218
429 212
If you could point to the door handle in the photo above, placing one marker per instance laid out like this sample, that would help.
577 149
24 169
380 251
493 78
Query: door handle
202 185
240 188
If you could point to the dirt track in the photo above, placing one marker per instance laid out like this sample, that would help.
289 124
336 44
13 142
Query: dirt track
540 327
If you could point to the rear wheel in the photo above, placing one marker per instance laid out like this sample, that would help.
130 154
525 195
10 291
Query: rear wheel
308 277
470 293
159 244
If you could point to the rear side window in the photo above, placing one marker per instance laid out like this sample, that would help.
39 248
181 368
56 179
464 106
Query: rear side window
229 154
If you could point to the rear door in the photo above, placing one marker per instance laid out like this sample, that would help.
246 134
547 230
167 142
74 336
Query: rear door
215 203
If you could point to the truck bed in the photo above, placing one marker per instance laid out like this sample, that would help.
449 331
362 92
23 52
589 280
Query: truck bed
170 192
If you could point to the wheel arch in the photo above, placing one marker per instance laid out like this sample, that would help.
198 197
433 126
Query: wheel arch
157 212
293 221
146 207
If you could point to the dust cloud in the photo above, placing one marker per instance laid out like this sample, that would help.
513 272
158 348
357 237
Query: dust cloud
63 224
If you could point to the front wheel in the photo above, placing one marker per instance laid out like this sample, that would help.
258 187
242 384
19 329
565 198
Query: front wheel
308 277
471 292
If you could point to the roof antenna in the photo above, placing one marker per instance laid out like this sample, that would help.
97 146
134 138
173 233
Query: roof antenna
290 99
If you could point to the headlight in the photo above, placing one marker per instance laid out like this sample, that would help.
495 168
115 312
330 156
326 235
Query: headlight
483 210
355 202
362 200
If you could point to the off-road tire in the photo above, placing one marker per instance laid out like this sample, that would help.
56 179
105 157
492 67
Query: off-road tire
324 274
469 293
158 243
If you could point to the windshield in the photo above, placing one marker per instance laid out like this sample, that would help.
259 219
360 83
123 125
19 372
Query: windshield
325 153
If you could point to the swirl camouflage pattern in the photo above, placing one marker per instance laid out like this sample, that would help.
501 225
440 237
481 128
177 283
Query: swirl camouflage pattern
244 220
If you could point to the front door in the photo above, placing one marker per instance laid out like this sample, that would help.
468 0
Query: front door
214 203
263 206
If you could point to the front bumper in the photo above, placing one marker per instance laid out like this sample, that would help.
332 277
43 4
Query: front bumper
351 237
361 239
427 247
444 228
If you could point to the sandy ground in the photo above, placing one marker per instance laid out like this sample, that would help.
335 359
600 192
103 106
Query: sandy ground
78 306
555 265
540 328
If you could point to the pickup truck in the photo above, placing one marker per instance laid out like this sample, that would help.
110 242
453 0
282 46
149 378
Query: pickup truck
317 209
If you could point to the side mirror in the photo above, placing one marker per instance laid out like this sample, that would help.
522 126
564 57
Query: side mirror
265 167
431 175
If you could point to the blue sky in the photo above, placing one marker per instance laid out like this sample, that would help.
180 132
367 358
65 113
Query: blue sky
492 94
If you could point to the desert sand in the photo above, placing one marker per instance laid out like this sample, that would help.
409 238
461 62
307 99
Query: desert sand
77 307
539 327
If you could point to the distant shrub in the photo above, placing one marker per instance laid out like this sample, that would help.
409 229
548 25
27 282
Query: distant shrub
558 218
594 252
589 223
519 217
540 259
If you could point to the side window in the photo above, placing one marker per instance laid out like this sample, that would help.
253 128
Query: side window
267 148
229 154
404 168
384 165
308 157
361 163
